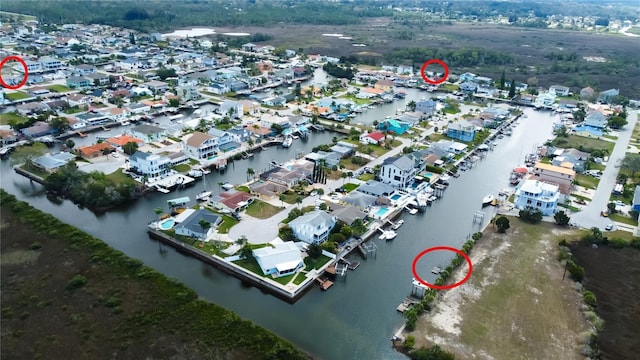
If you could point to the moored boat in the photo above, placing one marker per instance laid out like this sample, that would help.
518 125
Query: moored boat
397 225
487 200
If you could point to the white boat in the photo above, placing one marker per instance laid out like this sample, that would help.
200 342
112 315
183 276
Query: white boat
194 173
444 177
388 235
487 200
436 270
227 186
397 225
287 142
413 211
203 196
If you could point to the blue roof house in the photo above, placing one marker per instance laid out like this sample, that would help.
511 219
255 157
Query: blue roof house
395 126
461 130
636 199
595 119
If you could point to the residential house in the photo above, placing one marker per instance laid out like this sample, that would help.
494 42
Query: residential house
118 114
201 145
239 134
51 162
467 77
384 85
158 87
267 190
250 107
544 100
93 118
398 171
558 175
369 93
376 188
8 136
188 93
607 95
469 87
313 227
38 129
84 69
129 64
374 138
219 88
539 195
559 90
588 132
279 259
226 141
32 66
250 47
232 200
349 213
100 79
150 165
121 140
78 82
78 100
461 130
35 79
587 93
149 133
427 106
596 120
139 108
635 205
233 109
50 64
393 126
93 151
191 227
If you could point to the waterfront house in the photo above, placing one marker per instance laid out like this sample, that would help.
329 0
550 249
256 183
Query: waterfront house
376 188
398 171
92 118
468 87
607 95
279 259
313 227
348 213
219 88
150 165
544 100
149 133
38 129
78 82
587 93
201 145
559 90
226 141
393 126
51 162
93 151
267 190
467 77
190 226
188 92
8 136
233 109
121 140
359 200
232 200
596 120
539 195
250 107
374 138
558 175
31 108
78 100
588 131
461 130
636 199
50 64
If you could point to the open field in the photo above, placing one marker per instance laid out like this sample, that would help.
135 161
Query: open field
16 95
583 143
262 210
65 294
5 118
612 275
515 304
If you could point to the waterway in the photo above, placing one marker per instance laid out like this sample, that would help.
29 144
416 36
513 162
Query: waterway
356 318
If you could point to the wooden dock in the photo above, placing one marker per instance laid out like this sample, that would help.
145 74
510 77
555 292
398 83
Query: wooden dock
325 284
406 304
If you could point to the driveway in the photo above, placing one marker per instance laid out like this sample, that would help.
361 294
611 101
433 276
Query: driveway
590 215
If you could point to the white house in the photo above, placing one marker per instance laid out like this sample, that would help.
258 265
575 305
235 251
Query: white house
373 138
539 195
48 63
284 258
150 165
313 227
544 100
188 92
201 145
230 108
398 172
559 90
138 108
149 133
190 226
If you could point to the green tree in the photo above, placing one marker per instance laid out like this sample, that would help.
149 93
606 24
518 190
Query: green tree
174 103
282 198
314 251
503 81
60 124
432 353
158 211
502 223
130 147
246 252
69 144
512 89
531 215
299 200
250 173
611 208
561 218
617 122
205 226
631 162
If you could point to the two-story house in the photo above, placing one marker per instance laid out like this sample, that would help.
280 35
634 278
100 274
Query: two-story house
558 175
461 130
595 119
149 133
539 195
201 146
398 171
313 227
559 90
150 165
78 82
50 64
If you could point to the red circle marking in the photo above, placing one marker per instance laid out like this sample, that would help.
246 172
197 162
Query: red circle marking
441 287
26 72
434 61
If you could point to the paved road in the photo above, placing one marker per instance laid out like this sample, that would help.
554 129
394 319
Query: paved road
590 215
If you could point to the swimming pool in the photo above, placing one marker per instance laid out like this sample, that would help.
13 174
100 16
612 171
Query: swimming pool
382 211
396 197
167 224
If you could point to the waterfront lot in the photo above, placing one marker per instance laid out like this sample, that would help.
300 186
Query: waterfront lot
515 304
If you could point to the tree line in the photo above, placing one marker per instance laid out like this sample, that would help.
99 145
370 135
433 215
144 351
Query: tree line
465 57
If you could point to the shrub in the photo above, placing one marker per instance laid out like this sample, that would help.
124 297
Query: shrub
617 243
575 271
635 243
589 298
563 242
409 342
36 245
531 214
76 282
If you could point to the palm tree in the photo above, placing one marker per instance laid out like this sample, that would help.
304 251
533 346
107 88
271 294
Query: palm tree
411 105
282 197
299 200
158 211
250 173
220 183
205 225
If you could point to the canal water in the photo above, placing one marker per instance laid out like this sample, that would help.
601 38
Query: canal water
356 317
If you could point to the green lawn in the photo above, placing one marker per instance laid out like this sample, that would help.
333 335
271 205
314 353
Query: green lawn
350 187
300 278
284 280
311 264
18 119
587 181
290 197
623 219
227 223
583 143
250 264
348 164
611 137
58 88
17 95
120 178
182 168
262 210
366 177
450 87
634 30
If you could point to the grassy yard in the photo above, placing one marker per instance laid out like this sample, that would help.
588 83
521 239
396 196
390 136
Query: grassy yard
587 181
17 95
350 187
58 88
366 177
311 264
450 87
300 278
120 178
250 264
611 137
227 223
583 143
515 305
262 210
17 118
182 168
623 219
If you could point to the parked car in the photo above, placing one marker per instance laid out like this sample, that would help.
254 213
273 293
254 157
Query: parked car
609 227
604 213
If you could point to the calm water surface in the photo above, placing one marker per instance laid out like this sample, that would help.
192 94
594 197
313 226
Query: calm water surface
356 318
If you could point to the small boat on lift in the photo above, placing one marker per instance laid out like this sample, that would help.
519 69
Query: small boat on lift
487 200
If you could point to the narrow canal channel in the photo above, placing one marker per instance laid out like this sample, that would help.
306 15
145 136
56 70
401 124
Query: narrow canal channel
356 317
